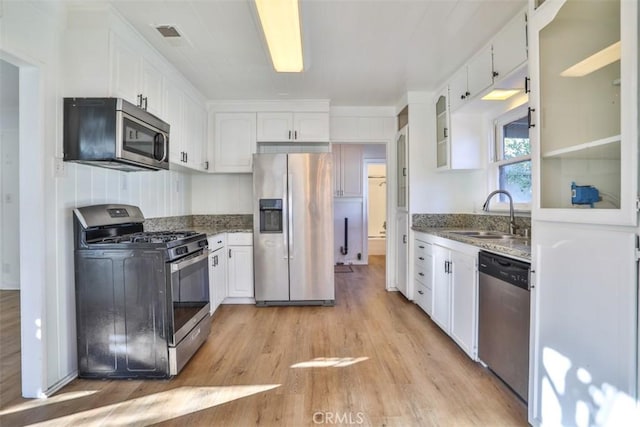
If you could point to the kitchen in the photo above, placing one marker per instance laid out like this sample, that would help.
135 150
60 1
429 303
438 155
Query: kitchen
33 37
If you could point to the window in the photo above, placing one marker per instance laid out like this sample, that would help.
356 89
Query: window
510 169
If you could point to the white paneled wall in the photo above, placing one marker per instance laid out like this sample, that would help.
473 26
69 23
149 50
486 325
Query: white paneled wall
158 194
221 194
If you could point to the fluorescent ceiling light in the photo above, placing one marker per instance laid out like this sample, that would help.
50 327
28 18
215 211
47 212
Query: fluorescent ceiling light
593 63
500 94
280 21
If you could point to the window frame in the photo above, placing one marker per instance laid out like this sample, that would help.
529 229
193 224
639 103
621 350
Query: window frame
496 150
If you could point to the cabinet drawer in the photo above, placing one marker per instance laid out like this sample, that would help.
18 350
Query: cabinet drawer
422 249
218 241
422 297
240 239
421 274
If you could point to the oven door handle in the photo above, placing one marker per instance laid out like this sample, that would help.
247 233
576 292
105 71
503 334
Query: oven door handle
177 266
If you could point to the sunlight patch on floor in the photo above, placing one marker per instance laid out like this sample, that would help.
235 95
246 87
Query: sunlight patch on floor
158 407
330 362
48 401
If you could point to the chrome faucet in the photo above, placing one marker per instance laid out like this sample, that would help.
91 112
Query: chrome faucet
512 219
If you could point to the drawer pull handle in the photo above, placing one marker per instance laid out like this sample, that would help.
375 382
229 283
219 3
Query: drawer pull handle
421 258
421 293
421 247
420 274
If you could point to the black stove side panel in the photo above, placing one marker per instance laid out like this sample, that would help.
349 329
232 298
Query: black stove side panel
121 314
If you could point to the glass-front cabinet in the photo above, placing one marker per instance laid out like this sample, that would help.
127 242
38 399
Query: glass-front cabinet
584 110
442 132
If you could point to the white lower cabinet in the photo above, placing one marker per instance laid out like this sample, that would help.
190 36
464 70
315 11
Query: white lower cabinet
217 271
454 290
423 285
240 265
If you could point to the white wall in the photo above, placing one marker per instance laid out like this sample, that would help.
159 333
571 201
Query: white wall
222 194
31 33
9 196
430 190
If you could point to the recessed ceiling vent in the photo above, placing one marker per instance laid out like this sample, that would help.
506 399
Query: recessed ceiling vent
168 31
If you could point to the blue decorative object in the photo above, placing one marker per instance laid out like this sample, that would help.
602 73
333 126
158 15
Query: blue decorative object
584 194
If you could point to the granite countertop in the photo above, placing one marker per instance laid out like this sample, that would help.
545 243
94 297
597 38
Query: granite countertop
213 230
518 248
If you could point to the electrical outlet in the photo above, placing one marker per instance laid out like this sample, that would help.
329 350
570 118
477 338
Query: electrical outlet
59 170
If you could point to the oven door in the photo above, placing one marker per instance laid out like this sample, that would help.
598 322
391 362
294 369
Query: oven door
189 294
141 143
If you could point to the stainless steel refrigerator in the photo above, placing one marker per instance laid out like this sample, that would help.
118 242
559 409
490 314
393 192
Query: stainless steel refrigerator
293 229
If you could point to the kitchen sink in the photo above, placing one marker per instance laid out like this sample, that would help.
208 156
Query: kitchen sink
495 235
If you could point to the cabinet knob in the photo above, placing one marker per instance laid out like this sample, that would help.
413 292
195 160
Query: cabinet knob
420 274
421 293
421 258
496 74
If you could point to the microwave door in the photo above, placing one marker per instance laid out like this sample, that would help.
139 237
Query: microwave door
141 144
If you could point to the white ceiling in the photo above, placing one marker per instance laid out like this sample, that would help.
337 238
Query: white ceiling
357 52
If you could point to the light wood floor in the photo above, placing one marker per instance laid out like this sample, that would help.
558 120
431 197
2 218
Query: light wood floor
374 359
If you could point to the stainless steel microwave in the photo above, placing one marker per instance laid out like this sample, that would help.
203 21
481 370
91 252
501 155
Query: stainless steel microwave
115 134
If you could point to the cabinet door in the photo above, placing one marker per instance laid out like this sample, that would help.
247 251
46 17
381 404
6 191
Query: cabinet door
403 172
458 89
174 115
510 47
479 73
195 131
125 71
441 287
351 170
151 88
240 270
464 301
217 278
274 127
402 252
586 118
235 142
311 127
442 131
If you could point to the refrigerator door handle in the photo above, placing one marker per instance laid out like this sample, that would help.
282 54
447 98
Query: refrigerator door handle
285 217
290 214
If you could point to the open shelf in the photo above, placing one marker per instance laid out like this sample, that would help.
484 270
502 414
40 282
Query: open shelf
606 148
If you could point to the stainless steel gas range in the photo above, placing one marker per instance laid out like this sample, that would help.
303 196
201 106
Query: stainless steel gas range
142 298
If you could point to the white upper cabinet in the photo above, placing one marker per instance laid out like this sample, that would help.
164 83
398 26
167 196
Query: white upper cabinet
195 131
458 89
292 127
135 78
234 142
347 170
442 130
584 118
275 127
510 47
458 137
472 79
479 73
174 115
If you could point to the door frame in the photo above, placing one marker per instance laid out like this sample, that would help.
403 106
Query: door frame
365 203
32 226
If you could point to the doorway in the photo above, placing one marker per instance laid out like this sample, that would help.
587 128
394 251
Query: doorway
376 207
10 351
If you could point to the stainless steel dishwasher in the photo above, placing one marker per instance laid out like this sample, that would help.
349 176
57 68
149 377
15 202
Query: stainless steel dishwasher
503 324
